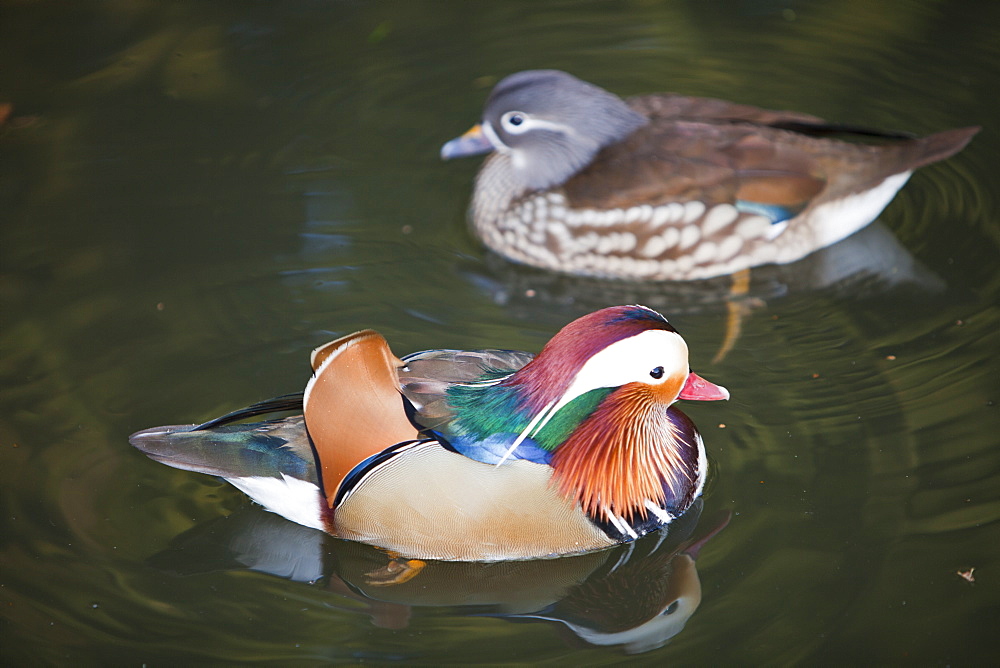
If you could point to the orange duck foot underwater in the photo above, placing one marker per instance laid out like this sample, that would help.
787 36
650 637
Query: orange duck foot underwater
667 187
481 455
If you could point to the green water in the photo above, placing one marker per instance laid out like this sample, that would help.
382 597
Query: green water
194 195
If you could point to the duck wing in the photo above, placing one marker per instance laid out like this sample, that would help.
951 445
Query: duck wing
263 449
353 406
428 374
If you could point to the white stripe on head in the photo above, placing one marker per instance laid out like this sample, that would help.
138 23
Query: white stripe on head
629 360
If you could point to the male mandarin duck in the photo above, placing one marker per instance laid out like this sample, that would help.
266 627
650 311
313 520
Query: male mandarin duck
473 455
667 187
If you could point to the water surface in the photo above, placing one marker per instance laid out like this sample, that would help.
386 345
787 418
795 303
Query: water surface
194 196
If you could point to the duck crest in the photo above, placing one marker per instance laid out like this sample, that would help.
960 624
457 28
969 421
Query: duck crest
629 453
527 402
547 377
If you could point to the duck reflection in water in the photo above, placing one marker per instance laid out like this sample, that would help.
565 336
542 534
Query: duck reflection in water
869 264
636 596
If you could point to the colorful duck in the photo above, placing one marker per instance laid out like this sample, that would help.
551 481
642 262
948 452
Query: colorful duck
480 455
667 187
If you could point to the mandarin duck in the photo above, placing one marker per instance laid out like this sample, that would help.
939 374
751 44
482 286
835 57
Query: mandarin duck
668 187
481 455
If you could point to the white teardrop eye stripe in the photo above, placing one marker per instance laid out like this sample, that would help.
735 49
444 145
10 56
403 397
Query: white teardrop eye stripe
627 361
631 360
528 123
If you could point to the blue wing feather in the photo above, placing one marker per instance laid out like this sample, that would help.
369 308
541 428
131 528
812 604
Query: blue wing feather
493 449
773 212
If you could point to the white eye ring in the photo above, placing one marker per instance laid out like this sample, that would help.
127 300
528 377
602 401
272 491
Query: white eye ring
515 122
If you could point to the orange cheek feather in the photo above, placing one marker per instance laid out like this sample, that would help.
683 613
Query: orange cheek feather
621 456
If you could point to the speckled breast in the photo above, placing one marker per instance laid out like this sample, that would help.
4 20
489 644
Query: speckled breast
670 241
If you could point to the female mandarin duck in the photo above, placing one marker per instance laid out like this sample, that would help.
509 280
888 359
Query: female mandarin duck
666 187
474 455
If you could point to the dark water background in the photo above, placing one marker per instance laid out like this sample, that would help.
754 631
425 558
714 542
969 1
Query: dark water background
193 195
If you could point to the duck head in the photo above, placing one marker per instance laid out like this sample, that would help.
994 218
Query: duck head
549 124
596 405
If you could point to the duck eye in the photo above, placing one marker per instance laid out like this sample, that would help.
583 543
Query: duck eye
514 121
657 373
